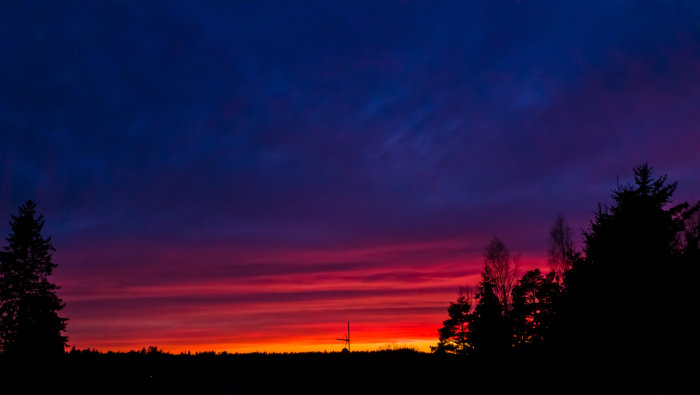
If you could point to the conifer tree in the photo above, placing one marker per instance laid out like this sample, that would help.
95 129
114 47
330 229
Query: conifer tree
489 332
453 334
632 247
29 322
533 308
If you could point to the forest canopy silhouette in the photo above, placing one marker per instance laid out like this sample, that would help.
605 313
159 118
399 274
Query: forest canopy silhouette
634 271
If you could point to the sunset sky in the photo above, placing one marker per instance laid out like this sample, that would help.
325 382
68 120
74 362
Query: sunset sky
252 175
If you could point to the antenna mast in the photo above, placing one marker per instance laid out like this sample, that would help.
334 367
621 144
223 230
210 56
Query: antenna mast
346 339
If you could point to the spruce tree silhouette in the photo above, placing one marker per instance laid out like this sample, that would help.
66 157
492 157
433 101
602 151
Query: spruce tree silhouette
489 332
29 321
629 274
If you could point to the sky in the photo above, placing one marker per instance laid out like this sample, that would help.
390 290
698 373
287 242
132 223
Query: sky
252 175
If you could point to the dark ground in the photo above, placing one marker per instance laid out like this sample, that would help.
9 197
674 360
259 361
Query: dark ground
358 372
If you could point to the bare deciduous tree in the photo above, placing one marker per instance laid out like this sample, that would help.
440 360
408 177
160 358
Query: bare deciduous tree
688 239
503 269
561 249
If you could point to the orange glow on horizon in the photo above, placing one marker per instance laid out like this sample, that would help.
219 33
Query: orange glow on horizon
392 295
422 345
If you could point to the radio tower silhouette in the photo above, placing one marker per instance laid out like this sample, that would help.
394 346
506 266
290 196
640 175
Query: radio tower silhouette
346 339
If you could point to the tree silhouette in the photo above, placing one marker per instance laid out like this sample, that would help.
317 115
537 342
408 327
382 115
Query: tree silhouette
533 308
630 294
29 321
453 334
489 332
631 246
561 253
503 270
689 239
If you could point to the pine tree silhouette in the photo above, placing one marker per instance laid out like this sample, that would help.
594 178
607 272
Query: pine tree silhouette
533 308
29 322
454 331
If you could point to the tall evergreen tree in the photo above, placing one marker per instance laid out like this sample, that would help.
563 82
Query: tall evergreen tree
453 334
630 272
533 308
489 332
29 320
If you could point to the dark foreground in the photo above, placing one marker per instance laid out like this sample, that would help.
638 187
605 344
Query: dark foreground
359 372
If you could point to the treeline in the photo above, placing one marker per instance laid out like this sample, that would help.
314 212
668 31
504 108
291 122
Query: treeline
154 353
628 293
